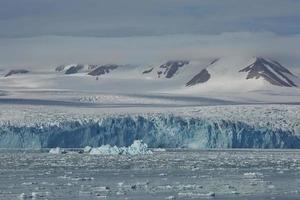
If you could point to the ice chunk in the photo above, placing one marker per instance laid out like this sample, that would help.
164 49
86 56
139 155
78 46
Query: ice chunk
159 150
57 150
253 175
170 198
106 150
137 148
87 149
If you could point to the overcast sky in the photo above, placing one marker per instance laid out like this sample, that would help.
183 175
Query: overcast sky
42 32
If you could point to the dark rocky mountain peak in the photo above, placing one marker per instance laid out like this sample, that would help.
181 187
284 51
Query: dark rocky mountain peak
170 68
104 69
271 71
203 76
74 69
16 71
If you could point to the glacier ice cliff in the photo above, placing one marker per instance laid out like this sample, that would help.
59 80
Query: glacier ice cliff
156 130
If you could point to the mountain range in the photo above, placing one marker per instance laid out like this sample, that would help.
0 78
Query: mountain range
270 71
215 77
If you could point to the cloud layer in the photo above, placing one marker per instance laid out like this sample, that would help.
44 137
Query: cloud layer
53 50
39 33
119 18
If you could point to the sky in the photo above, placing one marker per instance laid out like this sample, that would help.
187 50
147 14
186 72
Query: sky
39 33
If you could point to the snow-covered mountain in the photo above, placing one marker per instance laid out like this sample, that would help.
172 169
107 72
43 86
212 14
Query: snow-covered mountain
271 71
103 69
169 69
224 70
75 68
229 78
260 71
89 69
201 77
16 71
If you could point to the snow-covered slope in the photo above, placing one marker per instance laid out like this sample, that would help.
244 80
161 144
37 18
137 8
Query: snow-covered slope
251 73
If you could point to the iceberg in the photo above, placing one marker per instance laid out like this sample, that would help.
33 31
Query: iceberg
137 148
87 149
106 150
57 150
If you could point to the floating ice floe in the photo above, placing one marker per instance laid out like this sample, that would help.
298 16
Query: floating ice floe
57 150
87 149
137 148
253 175
196 195
106 150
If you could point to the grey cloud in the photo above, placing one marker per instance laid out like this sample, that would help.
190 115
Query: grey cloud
119 18
42 52
39 33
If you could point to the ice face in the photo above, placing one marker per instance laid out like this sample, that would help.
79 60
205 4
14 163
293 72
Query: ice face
156 130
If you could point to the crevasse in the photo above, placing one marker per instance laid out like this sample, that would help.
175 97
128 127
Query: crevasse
163 131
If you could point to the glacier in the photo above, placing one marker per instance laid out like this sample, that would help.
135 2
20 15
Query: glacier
157 130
